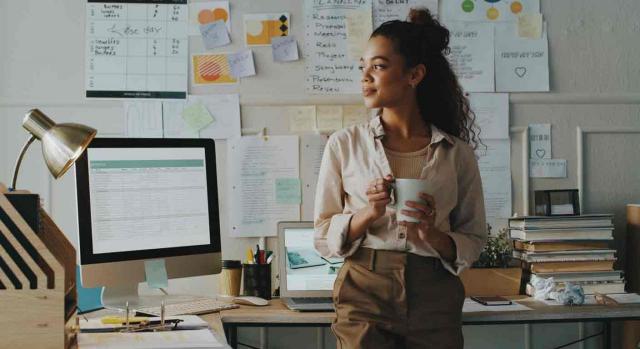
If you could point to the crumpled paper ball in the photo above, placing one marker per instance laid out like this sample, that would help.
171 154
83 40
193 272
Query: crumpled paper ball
572 294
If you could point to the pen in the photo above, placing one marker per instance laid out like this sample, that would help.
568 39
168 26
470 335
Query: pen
249 256
261 257
257 254
269 259
162 313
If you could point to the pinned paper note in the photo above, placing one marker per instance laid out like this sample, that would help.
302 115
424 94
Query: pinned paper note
214 34
359 26
259 28
156 273
329 117
288 191
212 70
196 116
242 64
353 115
548 168
302 119
530 25
172 121
472 55
285 48
540 141
201 13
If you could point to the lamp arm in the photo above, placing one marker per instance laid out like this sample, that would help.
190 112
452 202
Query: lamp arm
19 161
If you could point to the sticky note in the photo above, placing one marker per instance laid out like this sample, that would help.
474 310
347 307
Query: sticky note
302 118
241 64
530 25
288 191
214 34
353 114
329 117
156 273
284 48
88 298
196 116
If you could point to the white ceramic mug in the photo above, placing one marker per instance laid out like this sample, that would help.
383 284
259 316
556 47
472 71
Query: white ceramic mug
407 189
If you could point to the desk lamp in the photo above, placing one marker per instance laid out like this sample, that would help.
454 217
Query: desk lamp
62 144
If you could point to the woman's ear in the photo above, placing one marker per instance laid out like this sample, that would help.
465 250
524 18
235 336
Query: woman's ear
417 74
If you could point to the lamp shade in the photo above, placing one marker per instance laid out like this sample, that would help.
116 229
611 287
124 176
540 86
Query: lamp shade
62 144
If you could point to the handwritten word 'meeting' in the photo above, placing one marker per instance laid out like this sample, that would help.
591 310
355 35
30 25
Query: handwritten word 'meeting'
534 54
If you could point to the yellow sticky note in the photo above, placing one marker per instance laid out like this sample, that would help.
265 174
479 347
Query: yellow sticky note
530 25
302 119
359 27
329 117
196 116
354 114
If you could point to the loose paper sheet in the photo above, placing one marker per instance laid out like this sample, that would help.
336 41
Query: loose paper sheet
540 141
589 299
284 48
260 28
329 117
136 50
155 271
471 306
214 34
354 114
144 119
492 114
225 109
472 55
206 12
312 147
255 163
547 168
328 67
495 171
522 64
288 191
358 32
302 119
212 70
146 340
489 10
241 64
385 10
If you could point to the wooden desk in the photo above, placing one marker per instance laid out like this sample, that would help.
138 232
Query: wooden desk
277 315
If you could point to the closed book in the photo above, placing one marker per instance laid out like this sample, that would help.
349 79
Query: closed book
587 289
562 234
565 256
583 276
552 267
582 221
548 246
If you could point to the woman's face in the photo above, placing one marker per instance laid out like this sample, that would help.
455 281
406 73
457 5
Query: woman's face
386 82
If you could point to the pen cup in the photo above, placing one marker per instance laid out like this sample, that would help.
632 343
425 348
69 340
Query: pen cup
257 280
230 277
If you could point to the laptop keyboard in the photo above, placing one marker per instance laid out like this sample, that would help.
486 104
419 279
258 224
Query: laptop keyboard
312 300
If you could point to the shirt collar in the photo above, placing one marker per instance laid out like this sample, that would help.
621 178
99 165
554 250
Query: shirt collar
437 135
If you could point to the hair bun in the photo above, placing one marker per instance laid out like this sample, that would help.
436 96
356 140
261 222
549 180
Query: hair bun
435 34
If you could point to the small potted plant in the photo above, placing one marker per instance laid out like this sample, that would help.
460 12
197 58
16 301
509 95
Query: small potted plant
492 274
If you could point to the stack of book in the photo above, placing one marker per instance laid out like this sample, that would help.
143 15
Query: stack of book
569 249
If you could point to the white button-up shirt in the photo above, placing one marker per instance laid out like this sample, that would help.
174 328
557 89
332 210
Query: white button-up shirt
354 156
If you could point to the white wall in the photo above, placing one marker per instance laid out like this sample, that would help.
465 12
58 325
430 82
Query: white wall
595 82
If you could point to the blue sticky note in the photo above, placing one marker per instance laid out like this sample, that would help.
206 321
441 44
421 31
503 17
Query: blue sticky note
214 34
284 48
156 273
89 299
288 191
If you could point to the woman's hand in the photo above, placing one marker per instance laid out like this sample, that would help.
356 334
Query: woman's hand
379 196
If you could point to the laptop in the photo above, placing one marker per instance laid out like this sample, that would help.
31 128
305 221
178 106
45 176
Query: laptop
306 278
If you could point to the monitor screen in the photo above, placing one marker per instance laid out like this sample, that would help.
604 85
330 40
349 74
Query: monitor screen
306 269
147 198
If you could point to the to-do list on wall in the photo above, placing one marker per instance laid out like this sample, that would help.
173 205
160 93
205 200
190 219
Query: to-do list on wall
136 49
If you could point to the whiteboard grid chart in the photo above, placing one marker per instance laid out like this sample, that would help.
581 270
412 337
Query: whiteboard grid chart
137 49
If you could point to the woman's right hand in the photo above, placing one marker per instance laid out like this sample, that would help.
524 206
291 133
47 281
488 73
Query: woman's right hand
379 196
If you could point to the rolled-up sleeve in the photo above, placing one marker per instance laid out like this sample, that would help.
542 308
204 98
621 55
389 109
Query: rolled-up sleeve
468 218
331 222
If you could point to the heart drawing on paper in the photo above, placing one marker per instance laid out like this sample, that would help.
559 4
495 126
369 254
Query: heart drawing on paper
520 71
540 153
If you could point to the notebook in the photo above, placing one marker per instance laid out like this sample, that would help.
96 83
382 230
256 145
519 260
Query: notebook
306 278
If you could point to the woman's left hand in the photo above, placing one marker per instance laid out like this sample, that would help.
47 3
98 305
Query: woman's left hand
426 215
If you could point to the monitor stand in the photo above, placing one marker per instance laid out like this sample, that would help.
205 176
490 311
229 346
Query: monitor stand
116 297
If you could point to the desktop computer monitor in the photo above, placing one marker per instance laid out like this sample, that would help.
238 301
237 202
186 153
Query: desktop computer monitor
144 199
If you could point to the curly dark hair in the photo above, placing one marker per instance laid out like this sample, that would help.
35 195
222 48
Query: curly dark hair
423 40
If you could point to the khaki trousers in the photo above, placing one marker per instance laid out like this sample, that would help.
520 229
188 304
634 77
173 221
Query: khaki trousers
392 299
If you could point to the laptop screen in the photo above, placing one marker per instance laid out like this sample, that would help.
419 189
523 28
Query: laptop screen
306 269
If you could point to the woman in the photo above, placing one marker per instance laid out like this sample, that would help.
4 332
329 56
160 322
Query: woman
399 285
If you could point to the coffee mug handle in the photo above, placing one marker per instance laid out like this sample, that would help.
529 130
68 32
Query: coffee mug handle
392 194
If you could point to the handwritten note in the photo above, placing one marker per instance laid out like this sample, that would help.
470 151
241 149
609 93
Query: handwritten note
288 191
547 168
522 64
540 141
494 163
136 50
284 48
242 64
492 114
302 118
328 68
358 31
196 116
156 273
472 55
214 34
385 10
